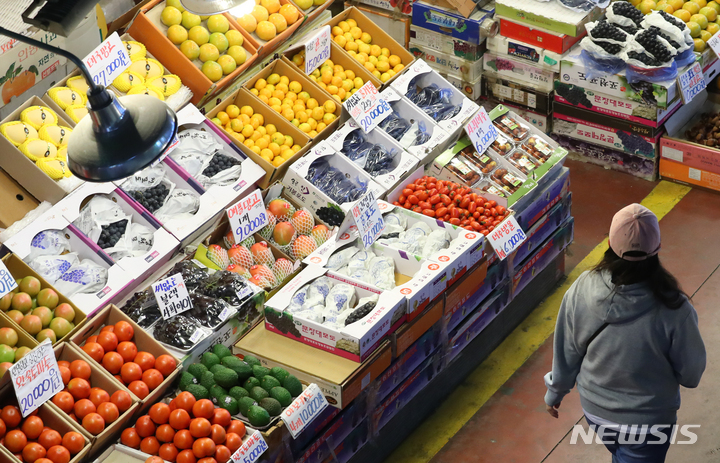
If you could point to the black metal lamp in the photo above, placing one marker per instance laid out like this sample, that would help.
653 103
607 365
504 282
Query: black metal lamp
119 136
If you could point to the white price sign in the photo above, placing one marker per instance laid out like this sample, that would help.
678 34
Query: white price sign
367 108
7 282
691 82
108 60
506 237
714 43
36 378
304 409
251 449
247 216
481 131
368 219
172 296
317 49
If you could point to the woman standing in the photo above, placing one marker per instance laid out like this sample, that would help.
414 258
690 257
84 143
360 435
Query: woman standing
628 335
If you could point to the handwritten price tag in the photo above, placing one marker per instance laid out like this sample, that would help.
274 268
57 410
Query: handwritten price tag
714 43
304 409
36 378
172 296
691 82
247 216
507 237
108 60
7 282
481 131
367 108
317 49
368 219
251 450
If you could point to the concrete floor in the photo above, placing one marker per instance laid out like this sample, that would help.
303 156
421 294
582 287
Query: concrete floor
513 426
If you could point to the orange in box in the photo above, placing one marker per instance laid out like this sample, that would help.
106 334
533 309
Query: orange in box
152 34
265 48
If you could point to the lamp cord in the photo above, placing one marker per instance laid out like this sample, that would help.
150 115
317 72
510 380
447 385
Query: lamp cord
76 61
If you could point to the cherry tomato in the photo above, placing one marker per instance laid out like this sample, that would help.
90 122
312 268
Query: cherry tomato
408 191
441 211
412 199
429 212
422 195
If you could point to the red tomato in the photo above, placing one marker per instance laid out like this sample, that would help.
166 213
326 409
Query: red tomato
32 452
79 388
108 341
130 438
84 407
186 456
222 453
94 423
80 369
128 350
139 388
183 439
65 374
113 362
58 454
145 426
237 427
130 372
203 408
94 350
153 378
109 412
233 442
179 419
98 396
49 437
200 427
168 452
160 413
146 360
73 441
221 417
122 400
217 432
64 400
165 365
165 433
15 441
203 447
11 416
124 331
150 445
185 401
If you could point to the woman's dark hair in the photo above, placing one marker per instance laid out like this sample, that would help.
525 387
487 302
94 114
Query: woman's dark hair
650 271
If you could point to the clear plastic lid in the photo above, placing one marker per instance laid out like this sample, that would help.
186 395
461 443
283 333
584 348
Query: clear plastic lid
522 161
511 127
538 148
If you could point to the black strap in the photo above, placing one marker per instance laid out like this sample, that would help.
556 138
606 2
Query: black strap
599 330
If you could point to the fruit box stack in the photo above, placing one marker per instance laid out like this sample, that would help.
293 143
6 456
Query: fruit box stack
356 341
118 282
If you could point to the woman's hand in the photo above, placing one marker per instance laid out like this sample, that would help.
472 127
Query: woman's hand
552 410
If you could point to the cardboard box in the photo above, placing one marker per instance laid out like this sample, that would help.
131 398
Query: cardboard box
512 92
521 50
341 451
424 76
621 108
379 36
535 263
543 228
494 301
119 452
341 380
144 342
243 97
552 16
356 342
449 63
542 122
616 134
411 113
118 279
536 37
448 22
693 155
24 340
338 56
403 162
472 90
140 267
18 201
466 293
99 377
514 69
251 173
186 230
542 200
147 29
638 166
411 332
310 196
447 43
683 173
22 169
52 419
397 25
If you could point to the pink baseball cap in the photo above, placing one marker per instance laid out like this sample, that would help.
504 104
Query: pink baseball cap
635 229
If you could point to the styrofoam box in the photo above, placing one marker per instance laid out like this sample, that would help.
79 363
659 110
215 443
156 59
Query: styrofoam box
191 118
404 161
364 337
532 53
139 267
428 76
411 113
308 194
448 62
88 303
520 69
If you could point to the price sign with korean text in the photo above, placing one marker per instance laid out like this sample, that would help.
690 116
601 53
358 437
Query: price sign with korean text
304 409
367 108
172 296
506 237
691 82
251 449
108 60
481 131
247 216
36 378
368 219
317 49
714 43
7 282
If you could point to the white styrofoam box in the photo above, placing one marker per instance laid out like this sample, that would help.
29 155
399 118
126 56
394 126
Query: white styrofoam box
191 118
310 196
448 62
404 161
521 50
164 244
522 70
447 43
362 337
472 90
427 76
117 278
411 113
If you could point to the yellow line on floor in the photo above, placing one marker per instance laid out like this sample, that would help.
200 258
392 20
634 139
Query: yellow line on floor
489 376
